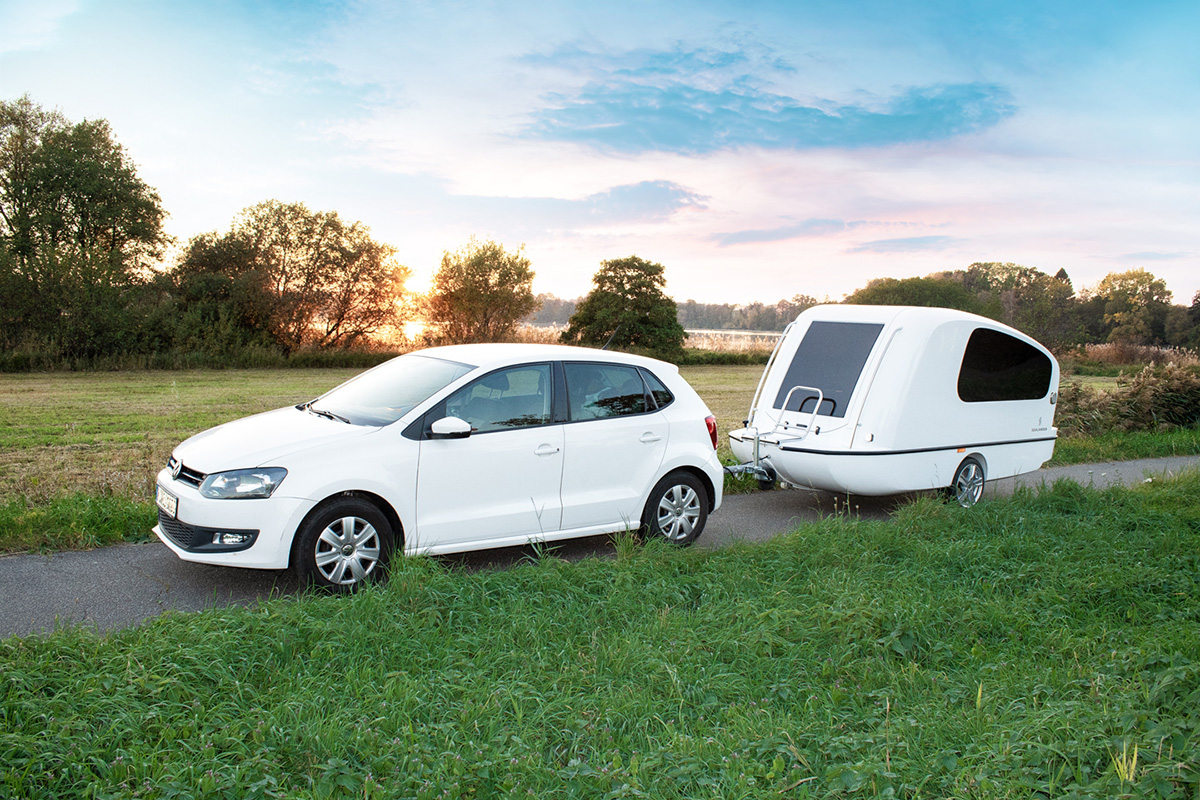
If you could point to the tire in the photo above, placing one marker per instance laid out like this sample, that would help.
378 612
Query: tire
969 479
677 509
342 545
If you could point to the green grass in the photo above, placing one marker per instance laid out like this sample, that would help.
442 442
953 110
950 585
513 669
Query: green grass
1125 446
1027 647
75 522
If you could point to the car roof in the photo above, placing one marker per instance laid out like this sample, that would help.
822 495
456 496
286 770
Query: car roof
498 354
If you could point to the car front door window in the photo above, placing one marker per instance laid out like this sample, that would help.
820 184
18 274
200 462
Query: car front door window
512 398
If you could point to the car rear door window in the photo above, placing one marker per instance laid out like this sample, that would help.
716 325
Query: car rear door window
596 391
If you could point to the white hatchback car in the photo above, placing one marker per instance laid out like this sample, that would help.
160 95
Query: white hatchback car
445 450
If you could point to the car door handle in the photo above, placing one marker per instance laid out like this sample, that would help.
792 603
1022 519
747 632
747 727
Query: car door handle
650 437
546 450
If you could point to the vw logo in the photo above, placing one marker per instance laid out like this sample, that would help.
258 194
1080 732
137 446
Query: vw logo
176 468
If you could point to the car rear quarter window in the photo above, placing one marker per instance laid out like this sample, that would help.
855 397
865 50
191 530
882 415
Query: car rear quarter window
596 391
997 366
661 394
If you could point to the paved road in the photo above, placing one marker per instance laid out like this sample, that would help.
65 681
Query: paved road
115 587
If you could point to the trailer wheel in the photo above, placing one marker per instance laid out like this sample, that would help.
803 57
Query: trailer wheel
968 483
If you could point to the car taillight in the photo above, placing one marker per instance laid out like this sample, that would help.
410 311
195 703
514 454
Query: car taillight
711 422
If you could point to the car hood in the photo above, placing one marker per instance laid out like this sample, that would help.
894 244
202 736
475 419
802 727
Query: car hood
264 439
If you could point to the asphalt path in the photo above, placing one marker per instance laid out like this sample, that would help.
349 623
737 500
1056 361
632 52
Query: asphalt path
116 587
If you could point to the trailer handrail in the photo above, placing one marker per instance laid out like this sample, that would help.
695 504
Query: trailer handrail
812 417
766 372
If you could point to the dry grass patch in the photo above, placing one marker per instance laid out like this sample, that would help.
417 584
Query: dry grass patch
108 433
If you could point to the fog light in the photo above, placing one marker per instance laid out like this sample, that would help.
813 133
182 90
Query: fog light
226 537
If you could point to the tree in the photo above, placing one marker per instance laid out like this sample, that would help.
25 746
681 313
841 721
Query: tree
290 276
628 306
935 292
1192 338
479 294
80 230
1027 299
1135 307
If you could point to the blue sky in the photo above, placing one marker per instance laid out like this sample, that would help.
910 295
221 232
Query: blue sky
756 149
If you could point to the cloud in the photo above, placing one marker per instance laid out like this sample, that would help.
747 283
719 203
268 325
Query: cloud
806 228
1154 256
912 244
706 100
647 201
678 62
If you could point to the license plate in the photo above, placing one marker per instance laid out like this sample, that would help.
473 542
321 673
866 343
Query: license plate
168 502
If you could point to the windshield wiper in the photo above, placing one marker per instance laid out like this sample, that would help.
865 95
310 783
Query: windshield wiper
320 412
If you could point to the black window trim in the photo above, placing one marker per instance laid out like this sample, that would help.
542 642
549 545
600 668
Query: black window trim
419 429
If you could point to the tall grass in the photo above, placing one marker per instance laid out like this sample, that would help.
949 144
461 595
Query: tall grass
1153 399
1044 645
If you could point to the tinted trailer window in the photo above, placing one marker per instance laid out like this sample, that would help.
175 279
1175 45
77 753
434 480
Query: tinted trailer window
997 366
830 358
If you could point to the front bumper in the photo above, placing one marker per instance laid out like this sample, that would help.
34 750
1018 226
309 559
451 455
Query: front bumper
255 533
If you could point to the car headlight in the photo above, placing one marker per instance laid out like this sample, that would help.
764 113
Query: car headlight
243 484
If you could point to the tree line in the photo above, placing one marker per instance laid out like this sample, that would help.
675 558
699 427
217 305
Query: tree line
83 278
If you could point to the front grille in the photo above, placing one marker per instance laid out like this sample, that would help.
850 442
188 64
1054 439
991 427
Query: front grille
186 474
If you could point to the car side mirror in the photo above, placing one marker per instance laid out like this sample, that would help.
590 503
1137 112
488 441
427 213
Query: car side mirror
450 428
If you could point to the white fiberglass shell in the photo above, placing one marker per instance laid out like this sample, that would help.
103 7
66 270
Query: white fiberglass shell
893 399
544 472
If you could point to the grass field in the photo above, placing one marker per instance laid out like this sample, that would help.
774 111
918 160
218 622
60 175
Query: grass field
79 451
108 434
1036 646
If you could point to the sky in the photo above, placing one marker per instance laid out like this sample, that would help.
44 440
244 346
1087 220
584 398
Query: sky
756 149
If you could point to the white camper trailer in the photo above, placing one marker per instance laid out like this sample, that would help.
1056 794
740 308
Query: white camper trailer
878 400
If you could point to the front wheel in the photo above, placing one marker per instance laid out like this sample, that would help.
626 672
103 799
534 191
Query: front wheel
343 545
677 509
968 483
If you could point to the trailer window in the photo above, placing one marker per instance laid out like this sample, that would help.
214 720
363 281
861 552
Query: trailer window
997 366
830 358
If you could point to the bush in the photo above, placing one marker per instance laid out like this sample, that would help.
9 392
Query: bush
694 357
1155 399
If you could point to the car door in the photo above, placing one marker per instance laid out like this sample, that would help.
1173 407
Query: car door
614 440
503 480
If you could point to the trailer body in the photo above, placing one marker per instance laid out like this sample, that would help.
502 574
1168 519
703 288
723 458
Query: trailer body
878 400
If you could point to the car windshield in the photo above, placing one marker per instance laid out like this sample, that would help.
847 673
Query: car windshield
386 393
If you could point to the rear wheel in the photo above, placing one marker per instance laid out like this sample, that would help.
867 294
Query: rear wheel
343 545
969 480
677 509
